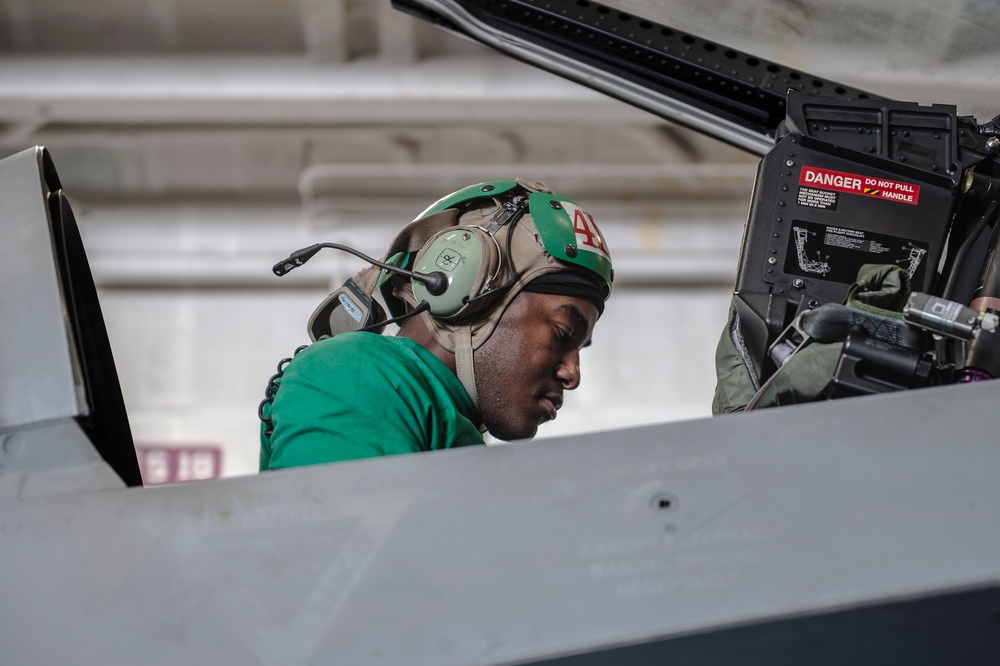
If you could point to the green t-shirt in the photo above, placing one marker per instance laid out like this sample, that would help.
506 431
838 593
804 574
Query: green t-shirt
361 395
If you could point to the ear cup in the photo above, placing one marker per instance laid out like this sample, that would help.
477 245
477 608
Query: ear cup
468 257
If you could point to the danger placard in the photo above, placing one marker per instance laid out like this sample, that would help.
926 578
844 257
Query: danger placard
851 183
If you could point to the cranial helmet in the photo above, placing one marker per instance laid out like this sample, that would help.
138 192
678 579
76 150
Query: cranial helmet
491 241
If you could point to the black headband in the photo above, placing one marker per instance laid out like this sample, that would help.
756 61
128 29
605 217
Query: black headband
570 283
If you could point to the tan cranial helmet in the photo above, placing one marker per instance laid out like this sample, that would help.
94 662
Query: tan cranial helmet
492 241
461 262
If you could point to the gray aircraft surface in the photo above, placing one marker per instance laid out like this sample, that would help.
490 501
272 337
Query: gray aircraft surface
860 530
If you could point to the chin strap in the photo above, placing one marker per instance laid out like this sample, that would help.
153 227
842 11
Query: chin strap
464 365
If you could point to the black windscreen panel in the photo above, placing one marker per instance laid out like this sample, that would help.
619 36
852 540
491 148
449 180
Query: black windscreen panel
106 422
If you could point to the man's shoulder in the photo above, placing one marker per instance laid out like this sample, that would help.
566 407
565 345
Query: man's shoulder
362 361
360 352
359 343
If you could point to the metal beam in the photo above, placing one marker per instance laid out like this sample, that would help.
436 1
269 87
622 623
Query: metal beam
287 90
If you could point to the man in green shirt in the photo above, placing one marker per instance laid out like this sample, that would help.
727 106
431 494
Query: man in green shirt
509 282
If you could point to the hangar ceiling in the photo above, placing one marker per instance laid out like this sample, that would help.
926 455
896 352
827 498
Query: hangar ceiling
343 113
259 98
274 99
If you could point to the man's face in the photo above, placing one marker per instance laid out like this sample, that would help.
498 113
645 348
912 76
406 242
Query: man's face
531 358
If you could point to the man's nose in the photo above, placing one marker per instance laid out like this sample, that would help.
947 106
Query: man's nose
568 370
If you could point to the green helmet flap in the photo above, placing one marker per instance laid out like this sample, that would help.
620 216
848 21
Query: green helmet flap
474 194
570 234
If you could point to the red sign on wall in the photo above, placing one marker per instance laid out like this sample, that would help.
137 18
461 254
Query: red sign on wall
173 464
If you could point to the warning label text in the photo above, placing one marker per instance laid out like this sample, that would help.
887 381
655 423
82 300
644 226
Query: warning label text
813 198
838 181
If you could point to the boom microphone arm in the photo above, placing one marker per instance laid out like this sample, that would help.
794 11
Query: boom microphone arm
436 282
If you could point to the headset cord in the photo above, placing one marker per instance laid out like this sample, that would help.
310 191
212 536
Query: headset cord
272 388
423 306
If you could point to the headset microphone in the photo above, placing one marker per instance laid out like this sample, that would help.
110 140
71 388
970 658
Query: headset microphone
295 259
436 282
349 308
